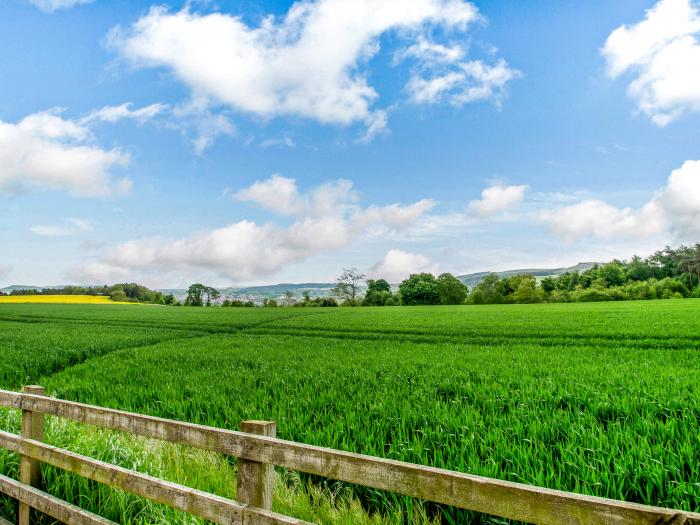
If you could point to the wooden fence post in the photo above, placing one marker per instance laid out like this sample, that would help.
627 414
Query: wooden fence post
30 469
256 480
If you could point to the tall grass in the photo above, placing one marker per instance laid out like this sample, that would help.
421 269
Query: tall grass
594 398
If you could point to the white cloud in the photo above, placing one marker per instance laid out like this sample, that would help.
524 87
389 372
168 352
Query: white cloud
681 200
427 51
52 5
397 265
326 218
279 142
467 82
310 63
195 118
675 208
81 224
280 195
663 53
497 199
46 230
597 218
113 114
70 226
397 216
43 151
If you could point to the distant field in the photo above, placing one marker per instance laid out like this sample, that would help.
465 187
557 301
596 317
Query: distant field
53 299
595 398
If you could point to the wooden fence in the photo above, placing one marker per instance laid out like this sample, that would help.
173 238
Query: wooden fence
258 451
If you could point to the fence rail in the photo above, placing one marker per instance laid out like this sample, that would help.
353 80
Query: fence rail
259 451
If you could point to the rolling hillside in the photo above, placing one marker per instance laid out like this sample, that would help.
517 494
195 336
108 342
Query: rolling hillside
472 279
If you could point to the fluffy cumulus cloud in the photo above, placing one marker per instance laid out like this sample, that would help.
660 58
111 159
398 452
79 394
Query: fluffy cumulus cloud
47 152
662 53
312 62
281 195
498 198
52 5
323 219
397 265
675 209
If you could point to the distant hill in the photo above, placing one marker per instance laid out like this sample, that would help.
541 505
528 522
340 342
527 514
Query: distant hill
263 291
10 289
279 289
472 279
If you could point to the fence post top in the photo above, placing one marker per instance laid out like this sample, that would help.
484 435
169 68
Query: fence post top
264 428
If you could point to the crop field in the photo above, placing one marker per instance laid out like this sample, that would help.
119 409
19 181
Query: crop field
57 299
596 398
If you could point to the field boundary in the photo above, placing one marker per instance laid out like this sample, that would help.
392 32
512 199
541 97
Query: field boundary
258 451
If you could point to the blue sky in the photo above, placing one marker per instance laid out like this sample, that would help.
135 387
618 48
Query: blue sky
250 142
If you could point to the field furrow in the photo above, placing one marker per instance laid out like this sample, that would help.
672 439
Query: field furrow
599 399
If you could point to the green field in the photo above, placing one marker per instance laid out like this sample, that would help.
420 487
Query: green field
597 398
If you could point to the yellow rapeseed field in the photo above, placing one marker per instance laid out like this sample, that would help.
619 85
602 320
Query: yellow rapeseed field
73 299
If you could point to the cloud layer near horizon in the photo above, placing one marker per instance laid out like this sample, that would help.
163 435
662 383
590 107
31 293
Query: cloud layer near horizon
675 209
325 219
397 265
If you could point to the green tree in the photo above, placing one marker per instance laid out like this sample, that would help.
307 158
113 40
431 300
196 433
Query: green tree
451 290
195 295
347 288
378 285
378 293
663 263
549 284
212 295
199 295
118 296
419 288
489 291
638 269
526 290
612 273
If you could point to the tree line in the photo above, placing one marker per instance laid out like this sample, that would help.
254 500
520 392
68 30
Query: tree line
666 274
121 292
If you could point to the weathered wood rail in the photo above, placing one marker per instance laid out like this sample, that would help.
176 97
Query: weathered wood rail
258 452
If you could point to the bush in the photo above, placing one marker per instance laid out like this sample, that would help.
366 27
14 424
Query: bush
119 296
559 296
476 297
378 298
593 295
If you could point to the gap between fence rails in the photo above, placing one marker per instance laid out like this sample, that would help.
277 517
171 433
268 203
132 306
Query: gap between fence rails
258 454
